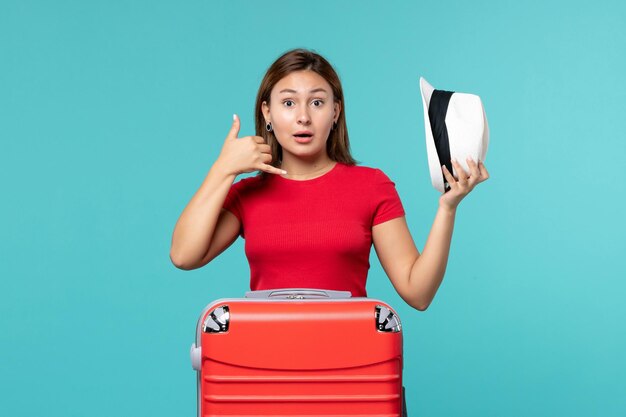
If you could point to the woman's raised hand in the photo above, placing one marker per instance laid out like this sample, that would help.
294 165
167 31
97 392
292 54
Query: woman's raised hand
246 154
466 182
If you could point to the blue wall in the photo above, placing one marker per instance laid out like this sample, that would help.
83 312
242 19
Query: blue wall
111 114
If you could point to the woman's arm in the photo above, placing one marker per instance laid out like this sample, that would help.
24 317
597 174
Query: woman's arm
203 220
417 277
194 229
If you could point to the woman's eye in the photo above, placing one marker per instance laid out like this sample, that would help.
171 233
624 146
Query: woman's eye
318 101
287 101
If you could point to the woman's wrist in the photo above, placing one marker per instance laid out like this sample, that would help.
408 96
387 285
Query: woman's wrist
446 209
220 169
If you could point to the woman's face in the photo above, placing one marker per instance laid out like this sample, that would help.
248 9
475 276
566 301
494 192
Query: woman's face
302 103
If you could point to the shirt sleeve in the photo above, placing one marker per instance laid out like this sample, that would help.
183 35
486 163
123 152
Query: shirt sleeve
387 201
232 203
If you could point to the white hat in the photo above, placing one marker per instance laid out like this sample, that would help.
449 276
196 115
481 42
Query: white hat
458 130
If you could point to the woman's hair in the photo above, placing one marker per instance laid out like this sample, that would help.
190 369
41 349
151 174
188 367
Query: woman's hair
338 145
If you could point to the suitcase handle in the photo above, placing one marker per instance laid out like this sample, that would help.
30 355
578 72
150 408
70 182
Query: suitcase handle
299 293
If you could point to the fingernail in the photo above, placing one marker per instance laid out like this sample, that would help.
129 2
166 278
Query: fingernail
284 172
234 116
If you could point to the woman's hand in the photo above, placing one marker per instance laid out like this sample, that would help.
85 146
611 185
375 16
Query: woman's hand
246 154
466 182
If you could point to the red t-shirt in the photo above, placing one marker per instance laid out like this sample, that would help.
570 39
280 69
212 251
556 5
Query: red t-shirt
314 233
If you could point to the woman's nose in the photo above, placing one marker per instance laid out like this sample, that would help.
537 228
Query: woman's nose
303 116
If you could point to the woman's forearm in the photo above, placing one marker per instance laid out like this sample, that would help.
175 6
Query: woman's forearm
194 229
429 268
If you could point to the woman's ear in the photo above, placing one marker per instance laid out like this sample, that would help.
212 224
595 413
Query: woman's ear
266 111
337 106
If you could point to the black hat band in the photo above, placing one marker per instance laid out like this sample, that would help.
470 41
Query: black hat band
437 110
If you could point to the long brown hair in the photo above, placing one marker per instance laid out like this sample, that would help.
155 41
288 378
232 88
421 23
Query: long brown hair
338 145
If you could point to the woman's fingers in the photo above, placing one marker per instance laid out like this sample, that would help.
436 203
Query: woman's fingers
247 153
272 170
460 173
465 183
474 172
478 173
448 176
234 128
266 155
483 171
266 158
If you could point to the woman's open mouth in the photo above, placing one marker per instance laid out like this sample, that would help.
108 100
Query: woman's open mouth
303 137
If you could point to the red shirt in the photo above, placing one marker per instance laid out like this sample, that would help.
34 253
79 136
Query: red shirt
314 233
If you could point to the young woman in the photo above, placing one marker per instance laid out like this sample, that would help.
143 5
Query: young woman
311 215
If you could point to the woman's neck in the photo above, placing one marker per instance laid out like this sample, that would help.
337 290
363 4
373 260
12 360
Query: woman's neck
299 169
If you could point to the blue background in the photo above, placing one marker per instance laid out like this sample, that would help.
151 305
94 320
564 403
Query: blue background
111 114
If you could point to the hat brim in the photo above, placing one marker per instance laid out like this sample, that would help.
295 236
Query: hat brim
436 175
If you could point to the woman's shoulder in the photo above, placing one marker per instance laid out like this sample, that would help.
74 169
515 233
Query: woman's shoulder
364 171
248 183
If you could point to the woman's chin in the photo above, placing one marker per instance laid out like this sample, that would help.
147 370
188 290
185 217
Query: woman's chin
308 154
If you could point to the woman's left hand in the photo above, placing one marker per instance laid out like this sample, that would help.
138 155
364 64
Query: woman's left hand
466 182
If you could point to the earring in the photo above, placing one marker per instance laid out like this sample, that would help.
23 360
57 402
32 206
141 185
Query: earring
268 127
334 126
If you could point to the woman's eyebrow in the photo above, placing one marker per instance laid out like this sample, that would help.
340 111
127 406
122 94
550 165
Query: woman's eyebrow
315 90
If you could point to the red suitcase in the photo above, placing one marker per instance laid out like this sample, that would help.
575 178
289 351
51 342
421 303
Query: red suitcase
299 352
